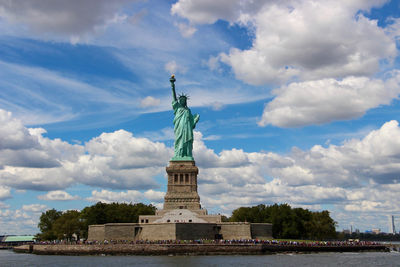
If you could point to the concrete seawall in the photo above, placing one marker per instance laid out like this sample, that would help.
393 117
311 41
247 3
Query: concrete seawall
186 249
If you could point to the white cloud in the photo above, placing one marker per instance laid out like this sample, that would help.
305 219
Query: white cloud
322 101
155 196
5 192
306 39
114 160
208 11
14 134
310 44
72 18
186 30
18 221
58 195
213 63
4 205
34 207
107 196
173 67
129 196
149 101
288 44
360 175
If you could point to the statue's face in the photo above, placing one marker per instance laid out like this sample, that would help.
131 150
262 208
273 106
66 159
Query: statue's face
182 101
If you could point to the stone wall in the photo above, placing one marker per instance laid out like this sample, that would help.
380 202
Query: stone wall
148 218
261 231
96 232
193 231
120 231
159 231
179 231
184 249
235 230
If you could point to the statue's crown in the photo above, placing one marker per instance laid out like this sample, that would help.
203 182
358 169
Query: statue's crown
183 95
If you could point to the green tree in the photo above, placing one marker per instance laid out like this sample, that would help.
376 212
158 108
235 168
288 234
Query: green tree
287 222
68 224
322 226
102 213
46 223
224 218
255 214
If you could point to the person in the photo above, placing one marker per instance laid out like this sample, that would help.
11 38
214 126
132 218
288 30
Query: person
184 123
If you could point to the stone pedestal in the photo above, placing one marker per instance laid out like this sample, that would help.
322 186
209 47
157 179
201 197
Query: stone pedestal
182 186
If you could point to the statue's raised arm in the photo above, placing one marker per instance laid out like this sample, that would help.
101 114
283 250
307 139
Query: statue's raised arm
184 123
172 80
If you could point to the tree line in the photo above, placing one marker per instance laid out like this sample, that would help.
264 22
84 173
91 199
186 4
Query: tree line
59 225
287 222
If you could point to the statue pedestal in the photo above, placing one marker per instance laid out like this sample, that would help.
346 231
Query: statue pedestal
182 186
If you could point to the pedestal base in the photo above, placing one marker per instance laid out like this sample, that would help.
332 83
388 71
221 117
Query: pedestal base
182 186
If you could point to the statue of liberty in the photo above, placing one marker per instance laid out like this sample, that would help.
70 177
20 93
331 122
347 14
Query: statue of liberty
184 123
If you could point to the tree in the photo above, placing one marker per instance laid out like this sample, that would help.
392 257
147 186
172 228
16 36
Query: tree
323 226
68 224
287 222
55 224
255 214
46 223
102 213
224 218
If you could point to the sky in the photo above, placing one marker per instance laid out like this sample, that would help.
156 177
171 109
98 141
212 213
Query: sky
298 103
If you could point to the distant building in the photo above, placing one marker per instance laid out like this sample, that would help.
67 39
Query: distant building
16 240
346 231
392 229
376 231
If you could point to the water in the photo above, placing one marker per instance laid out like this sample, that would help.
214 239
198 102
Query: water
9 258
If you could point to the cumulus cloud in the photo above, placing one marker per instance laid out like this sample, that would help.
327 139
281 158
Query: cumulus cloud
72 18
14 135
288 44
319 47
361 174
186 30
114 160
129 196
5 192
209 11
298 39
4 206
107 196
321 101
149 101
34 207
155 196
20 221
58 195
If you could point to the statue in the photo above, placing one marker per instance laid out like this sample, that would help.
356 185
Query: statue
184 123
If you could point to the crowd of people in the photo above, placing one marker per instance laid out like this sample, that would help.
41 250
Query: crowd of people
220 242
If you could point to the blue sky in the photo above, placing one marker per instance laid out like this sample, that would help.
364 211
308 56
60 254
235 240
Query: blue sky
298 103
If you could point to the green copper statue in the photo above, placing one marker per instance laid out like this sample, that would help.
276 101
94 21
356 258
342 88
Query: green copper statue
184 123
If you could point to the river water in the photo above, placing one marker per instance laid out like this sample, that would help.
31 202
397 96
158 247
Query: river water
9 258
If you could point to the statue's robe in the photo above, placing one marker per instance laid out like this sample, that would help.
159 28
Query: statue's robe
184 123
